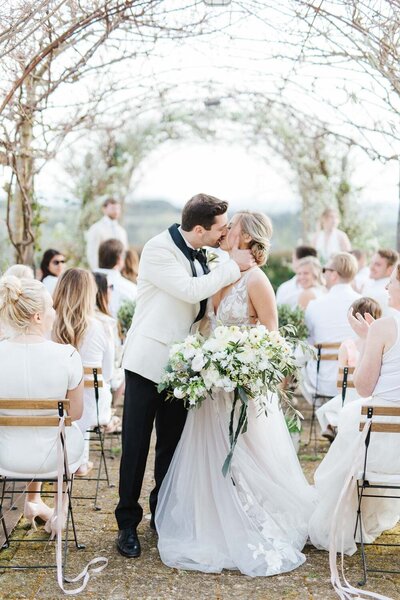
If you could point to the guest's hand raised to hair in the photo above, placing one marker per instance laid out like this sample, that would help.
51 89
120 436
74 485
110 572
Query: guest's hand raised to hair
359 323
244 258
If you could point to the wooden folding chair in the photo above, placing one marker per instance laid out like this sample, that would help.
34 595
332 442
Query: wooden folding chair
96 382
345 380
325 351
41 418
370 481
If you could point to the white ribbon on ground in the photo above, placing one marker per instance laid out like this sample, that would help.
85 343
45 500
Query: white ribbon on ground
345 590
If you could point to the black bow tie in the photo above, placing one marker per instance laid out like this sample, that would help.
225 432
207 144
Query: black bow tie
199 255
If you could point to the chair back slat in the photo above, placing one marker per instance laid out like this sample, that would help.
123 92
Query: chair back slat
382 411
339 383
34 421
89 370
329 356
383 427
328 346
36 404
350 370
89 383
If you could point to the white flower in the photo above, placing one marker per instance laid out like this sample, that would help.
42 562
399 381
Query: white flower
198 362
179 393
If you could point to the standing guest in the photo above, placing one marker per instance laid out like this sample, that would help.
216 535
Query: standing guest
111 263
326 320
131 265
32 367
363 269
380 270
76 324
174 284
310 280
289 291
21 271
52 266
105 229
330 240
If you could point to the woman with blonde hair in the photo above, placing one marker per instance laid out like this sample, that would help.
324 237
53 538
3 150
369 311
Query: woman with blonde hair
131 265
32 367
309 278
21 271
254 522
75 324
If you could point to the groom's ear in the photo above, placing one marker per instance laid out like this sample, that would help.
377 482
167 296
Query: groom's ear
198 230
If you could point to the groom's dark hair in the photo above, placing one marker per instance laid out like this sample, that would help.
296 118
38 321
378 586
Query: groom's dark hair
202 210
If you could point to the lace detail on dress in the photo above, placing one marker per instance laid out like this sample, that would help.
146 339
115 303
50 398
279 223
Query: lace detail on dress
234 307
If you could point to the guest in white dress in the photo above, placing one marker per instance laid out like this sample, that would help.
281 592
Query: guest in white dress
330 240
310 280
255 519
349 353
52 266
288 292
111 261
32 367
326 320
76 324
380 269
377 381
106 228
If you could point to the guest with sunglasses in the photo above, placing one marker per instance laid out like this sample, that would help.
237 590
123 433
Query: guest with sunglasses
52 267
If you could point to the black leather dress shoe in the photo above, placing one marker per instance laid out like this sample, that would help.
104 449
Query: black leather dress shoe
128 543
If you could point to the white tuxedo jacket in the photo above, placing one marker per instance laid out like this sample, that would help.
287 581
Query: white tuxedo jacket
168 301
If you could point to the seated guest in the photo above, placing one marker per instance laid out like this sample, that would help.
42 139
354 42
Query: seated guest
110 325
330 240
326 320
21 271
52 266
380 269
76 324
349 353
131 265
309 279
111 263
377 381
32 367
289 291
363 269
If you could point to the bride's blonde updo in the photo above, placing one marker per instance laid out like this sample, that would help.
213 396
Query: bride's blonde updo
259 227
20 299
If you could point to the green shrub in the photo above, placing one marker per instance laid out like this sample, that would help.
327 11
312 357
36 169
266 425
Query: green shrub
125 315
294 317
278 268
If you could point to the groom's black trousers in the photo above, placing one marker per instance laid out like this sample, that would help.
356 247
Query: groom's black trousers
142 405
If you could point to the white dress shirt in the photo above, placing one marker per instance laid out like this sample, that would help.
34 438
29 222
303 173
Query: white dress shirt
99 232
326 319
288 293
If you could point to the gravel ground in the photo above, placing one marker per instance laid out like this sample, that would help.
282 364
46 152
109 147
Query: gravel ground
148 579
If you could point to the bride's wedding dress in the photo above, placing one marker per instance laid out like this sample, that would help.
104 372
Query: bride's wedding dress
254 519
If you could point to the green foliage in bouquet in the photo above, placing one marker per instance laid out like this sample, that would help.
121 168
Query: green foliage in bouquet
125 315
295 318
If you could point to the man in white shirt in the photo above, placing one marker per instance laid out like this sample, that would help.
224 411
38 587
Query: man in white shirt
289 291
111 261
326 319
106 229
380 269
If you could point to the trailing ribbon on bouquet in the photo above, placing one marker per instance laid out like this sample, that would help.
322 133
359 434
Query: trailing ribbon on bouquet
57 520
241 427
345 590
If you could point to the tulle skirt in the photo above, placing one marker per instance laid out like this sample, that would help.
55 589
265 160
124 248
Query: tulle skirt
256 518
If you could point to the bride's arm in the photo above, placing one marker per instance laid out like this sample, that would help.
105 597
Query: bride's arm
262 299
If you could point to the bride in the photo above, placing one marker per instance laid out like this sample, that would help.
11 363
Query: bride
254 519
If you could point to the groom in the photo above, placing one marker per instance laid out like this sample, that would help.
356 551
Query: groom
173 286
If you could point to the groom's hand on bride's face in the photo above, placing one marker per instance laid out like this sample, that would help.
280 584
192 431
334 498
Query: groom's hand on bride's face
244 258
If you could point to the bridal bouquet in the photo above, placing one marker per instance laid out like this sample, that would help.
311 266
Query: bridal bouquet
250 362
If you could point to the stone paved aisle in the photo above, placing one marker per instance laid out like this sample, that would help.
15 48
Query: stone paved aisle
147 578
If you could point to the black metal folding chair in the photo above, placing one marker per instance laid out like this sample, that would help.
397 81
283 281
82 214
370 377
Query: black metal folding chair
369 482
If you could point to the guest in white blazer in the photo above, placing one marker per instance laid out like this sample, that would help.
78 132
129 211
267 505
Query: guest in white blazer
326 319
106 228
174 283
